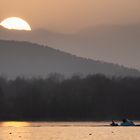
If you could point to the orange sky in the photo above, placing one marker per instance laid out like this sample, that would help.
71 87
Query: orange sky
71 15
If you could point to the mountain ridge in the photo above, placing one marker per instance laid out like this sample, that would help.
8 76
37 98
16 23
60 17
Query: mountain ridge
113 43
22 58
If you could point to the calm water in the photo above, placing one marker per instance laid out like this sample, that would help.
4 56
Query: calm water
52 124
66 131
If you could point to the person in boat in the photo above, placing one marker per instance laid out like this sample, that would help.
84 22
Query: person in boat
113 123
126 122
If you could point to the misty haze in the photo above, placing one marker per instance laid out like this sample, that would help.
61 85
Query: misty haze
69 69
112 43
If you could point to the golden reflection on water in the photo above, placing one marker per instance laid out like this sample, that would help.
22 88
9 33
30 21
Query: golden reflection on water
13 130
14 124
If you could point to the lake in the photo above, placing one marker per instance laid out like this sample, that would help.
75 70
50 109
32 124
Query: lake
66 131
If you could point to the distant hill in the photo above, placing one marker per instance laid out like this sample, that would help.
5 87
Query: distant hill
112 43
28 59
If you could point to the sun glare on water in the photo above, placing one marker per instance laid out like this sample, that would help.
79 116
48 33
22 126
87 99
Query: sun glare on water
15 23
14 124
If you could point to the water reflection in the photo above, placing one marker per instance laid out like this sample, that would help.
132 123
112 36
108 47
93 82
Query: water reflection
14 124
13 130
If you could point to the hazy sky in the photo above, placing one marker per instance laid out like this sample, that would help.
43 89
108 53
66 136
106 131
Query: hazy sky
71 15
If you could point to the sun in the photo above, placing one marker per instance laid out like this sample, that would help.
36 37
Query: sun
15 23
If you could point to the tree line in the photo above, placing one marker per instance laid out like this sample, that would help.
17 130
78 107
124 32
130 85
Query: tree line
94 97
